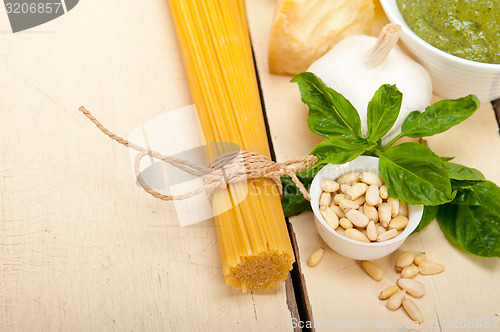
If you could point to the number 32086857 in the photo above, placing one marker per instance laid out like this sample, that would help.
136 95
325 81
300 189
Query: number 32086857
474 323
33 8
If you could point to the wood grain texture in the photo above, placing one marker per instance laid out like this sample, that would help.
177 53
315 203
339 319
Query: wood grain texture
82 248
342 296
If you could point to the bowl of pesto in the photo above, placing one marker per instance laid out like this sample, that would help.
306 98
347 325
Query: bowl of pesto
458 41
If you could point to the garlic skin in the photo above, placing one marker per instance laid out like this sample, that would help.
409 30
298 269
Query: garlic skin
346 69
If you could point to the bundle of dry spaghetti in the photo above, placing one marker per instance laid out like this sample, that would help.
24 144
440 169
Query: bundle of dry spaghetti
255 248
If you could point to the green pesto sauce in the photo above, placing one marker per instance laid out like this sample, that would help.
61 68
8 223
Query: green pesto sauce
469 29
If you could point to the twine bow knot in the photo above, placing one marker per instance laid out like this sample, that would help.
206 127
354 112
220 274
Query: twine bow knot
228 168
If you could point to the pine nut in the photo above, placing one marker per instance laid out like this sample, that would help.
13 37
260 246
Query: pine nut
357 218
392 233
347 204
394 202
399 222
412 310
403 208
404 259
330 217
344 189
395 301
419 258
357 189
360 200
409 271
373 270
371 212
380 229
388 292
412 287
371 232
384 214
348 178
345 223
337 198
360 209
383 192
315 257
370 178
329 186
428 267
354 234
372 195
325 199
337 211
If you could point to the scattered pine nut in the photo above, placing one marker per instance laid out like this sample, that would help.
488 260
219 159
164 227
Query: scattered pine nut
419 258
388 292
404 259
428 268
409 271
347 204
371 212
337 211
395 301
372 195
337 198
356 190
412 310
373 270
412 287
315 257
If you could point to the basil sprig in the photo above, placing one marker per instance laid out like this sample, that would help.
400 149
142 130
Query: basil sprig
466 206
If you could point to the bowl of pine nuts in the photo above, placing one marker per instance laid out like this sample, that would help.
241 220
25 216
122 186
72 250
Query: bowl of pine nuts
355 215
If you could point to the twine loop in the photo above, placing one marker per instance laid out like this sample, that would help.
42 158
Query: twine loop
226 169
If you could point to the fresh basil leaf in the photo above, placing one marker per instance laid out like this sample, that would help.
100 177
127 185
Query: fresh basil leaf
466 196
475 229
383 110
330 113
292 201
428 216
415 174
447 158
339 150
439 117
460 172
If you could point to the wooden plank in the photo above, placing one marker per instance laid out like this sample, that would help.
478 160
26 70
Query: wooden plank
82 248
340 294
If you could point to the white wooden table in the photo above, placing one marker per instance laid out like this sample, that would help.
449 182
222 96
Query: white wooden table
82 248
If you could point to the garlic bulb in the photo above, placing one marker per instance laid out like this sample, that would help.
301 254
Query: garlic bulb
357 66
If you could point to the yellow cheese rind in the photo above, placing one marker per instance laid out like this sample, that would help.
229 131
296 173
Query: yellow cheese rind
303 30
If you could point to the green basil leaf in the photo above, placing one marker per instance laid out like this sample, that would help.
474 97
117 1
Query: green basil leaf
292 201
475 229
330 113
439 117
428 216
339 150
460 172
415 174
383 110
466 196
447 158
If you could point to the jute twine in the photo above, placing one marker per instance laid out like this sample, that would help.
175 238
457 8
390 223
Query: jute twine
229 168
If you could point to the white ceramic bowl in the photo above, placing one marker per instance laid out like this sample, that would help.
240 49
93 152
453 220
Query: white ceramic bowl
343 245
452 77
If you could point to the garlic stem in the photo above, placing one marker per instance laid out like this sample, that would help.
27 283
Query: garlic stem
387 39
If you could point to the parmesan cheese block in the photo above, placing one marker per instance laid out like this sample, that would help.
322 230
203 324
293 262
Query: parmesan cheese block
304 30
